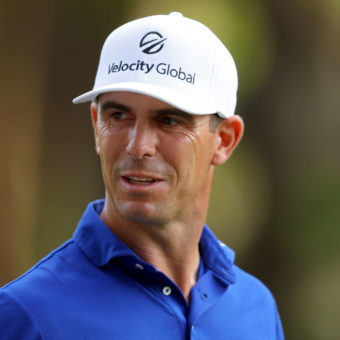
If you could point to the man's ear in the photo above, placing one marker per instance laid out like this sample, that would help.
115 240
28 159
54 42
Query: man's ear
229 133
94 117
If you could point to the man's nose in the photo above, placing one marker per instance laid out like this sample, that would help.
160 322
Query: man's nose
142 141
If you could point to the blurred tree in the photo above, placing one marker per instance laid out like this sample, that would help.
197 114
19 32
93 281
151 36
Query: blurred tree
24 45
296 121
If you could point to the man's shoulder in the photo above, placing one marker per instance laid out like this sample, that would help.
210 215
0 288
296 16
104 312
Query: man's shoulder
20 298
253 289
16 320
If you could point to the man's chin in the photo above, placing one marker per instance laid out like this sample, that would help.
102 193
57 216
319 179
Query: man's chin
143 214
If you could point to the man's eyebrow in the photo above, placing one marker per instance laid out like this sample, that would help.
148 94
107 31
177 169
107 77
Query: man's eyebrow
175 112
111 104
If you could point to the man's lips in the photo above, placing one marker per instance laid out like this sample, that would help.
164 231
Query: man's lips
140 179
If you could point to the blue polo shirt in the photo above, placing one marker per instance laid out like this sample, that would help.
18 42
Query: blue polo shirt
95 287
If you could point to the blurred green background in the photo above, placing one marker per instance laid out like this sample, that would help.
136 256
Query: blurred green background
276 202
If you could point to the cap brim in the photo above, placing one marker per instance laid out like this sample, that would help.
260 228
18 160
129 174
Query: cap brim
190 105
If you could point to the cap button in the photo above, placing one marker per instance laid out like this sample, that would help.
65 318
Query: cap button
176 14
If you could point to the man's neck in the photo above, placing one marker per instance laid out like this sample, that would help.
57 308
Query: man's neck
173 249
178 262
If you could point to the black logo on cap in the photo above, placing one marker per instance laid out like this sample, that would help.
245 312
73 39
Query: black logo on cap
153 42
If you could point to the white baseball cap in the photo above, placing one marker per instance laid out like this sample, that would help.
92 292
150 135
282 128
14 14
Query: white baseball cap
171 58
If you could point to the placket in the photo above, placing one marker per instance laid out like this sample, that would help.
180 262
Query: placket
207 291
167 292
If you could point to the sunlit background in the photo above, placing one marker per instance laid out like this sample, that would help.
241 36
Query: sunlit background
276 202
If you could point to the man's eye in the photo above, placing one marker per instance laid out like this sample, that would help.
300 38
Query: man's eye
118 115
169 121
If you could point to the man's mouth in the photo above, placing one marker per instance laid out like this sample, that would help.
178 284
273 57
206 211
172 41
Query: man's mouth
139 180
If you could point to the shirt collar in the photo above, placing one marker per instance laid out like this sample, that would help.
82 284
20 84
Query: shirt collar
101 245
96 240
217 256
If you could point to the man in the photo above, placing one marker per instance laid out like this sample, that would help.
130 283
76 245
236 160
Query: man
142 264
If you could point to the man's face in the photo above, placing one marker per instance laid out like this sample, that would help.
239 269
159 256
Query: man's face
157 161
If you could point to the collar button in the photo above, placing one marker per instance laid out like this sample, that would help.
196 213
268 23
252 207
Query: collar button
139 266
166 290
